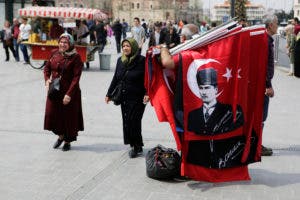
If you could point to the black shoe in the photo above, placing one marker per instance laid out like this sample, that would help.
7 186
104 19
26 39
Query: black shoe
6 60
66 147
138 149
132 153
265 151
26 63
57 143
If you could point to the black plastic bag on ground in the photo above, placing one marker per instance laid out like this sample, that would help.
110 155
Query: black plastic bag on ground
162 163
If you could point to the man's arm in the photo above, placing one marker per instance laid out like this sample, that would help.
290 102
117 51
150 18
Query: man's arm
166 58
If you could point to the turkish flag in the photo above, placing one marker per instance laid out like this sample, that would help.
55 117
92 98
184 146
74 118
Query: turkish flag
219 90
160 93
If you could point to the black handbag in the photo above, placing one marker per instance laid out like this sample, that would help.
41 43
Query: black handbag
162 163
116 95
54 89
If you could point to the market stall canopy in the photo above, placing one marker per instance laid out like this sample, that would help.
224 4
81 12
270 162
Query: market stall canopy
62 12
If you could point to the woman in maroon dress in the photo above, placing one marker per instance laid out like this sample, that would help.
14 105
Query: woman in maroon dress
63 115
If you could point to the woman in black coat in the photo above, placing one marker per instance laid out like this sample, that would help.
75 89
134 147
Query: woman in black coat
130 69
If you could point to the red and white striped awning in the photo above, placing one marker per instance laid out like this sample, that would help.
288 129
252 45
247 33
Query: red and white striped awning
62 12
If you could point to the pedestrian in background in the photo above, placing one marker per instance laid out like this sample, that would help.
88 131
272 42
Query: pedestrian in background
7 40
138 33
63 116
130 69
25 30
290 45
117 29
124 28
297 47
101 35
15 31
155 35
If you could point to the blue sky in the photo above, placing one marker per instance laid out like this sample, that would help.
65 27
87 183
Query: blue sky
276 4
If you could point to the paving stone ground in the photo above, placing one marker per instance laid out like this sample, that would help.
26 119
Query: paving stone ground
98 166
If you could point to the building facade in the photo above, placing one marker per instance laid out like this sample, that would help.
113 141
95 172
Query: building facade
150 10
297 8
221 12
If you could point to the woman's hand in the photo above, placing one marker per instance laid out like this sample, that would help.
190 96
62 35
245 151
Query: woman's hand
47 84
107 100
146 99
66 100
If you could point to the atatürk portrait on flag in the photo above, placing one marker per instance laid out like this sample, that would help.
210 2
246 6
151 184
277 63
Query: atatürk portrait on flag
213 117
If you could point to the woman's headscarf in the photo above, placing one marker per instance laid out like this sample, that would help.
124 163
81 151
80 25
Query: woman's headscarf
126 60
70 39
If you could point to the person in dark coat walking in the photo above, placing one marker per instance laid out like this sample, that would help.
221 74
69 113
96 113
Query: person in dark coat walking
117 28
7 40
63 115
134 96
297 48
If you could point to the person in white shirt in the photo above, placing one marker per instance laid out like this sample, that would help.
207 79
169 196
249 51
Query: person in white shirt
138 33
25 30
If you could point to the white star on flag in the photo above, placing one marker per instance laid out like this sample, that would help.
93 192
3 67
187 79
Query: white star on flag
227 75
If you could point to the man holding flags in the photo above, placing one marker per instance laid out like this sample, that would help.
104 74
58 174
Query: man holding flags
222 155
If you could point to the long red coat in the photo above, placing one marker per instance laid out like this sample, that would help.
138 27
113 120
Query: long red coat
62 119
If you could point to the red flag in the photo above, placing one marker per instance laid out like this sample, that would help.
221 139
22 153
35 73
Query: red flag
161 96
220 136
219 148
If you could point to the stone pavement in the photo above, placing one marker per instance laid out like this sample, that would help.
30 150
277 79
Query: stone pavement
98 166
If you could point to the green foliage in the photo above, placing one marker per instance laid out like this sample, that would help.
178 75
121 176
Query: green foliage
240 9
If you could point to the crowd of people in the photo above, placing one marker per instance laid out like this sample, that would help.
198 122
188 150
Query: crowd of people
63 115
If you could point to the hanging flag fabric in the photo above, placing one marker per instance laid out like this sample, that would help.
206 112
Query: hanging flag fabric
222 92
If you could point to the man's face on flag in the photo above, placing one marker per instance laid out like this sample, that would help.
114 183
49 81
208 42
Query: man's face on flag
208 93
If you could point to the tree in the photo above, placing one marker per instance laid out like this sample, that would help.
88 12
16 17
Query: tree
240 9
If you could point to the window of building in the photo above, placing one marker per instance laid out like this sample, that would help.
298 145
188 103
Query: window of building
61 5
132 5
137 5
75 5
151 7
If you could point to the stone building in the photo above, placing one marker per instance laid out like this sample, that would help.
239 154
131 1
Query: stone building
150 10
297 8
254 12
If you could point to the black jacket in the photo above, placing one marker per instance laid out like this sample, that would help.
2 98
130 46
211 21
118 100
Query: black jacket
133 87
220 121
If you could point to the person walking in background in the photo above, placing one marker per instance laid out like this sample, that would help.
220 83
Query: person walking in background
117 29
130 68
7 40
100 34
290 45
15 32
155 35
25 30
63 115
124 28
271 23
297 48
138 33
169 36
55 30
81 31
